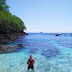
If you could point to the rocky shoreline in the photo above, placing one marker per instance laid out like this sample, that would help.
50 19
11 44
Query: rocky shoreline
7 38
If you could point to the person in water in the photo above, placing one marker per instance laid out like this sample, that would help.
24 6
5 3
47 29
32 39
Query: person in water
30 63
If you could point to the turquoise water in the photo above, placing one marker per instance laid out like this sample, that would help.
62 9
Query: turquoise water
51 54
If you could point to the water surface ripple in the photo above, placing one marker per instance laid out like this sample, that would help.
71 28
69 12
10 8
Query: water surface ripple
51 53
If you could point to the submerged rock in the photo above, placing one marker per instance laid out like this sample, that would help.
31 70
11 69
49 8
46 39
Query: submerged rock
20 45
9 48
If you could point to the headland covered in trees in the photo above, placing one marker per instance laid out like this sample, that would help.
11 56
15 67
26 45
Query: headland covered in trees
11 26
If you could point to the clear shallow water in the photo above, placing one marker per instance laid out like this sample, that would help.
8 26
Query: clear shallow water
51 53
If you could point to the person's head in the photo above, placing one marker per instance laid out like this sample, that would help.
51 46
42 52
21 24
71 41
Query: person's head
30 56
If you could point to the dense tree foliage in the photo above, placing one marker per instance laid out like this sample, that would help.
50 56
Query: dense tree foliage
9 23
3 5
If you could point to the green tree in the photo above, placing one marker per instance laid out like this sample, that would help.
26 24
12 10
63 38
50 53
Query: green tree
3 5
9 23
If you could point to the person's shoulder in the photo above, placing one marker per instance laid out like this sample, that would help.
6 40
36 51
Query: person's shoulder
32 59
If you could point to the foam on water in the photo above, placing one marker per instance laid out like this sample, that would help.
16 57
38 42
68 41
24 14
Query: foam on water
49 53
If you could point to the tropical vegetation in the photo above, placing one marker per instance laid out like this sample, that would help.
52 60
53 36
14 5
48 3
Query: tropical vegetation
9 23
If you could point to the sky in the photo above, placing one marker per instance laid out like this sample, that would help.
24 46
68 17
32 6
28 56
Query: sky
43 15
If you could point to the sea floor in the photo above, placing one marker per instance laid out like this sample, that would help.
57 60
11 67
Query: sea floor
46 59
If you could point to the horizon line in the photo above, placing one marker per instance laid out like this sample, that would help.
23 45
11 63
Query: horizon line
46 32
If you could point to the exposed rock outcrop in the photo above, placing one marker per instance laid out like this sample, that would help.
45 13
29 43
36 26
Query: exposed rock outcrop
7 38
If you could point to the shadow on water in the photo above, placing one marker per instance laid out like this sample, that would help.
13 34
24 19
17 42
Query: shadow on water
46 48
50 51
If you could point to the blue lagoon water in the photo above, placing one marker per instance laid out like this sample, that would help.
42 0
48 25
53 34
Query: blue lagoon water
51 54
